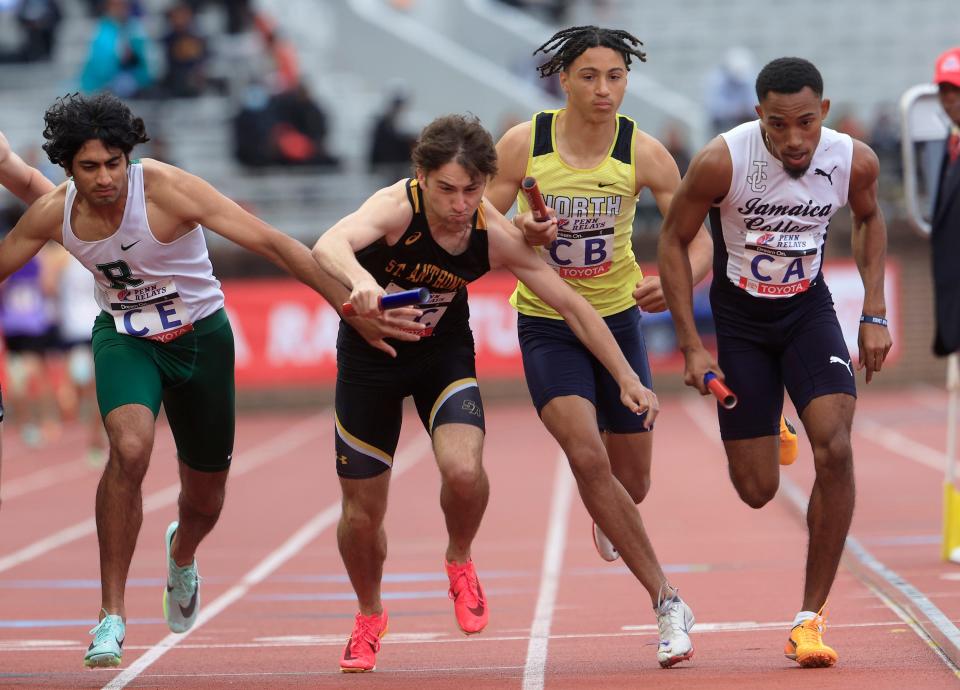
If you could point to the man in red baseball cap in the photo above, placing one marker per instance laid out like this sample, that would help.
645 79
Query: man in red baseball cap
945 234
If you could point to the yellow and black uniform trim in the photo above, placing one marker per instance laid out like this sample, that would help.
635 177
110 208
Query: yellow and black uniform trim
595 209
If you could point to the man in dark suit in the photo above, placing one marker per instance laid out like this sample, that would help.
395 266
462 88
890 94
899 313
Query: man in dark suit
945 235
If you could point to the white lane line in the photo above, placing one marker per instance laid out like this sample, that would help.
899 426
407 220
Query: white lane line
41 479
916 627
638 631
287 441
854 548
533 670
900 444
412 454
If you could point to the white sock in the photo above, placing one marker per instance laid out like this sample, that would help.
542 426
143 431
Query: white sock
804 616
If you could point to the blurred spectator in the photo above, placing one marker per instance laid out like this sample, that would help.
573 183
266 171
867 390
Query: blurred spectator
186 54
251 128
239 13
282 53
554 11
300 128
96 8
885 141
289 128
38 20
73 287
730 94
117 60
848 123
390 145
29 333
674 139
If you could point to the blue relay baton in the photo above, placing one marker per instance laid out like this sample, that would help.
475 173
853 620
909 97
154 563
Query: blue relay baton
404 298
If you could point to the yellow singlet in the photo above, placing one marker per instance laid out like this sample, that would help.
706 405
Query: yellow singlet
593 252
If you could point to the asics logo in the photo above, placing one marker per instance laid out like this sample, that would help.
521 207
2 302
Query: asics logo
836 360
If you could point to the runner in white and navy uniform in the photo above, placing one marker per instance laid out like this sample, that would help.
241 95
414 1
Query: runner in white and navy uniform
771 188
776 325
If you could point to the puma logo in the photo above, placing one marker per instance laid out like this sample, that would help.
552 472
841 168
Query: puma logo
828 175
836 360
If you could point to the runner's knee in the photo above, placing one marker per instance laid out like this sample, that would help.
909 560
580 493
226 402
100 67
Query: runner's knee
130 453
755 490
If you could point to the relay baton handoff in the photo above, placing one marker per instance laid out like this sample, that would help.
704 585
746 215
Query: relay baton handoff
393 300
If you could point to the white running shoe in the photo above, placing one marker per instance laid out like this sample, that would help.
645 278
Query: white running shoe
106 650
605 547
181 596
675 620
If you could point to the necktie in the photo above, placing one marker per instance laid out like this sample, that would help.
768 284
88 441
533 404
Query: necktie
953 146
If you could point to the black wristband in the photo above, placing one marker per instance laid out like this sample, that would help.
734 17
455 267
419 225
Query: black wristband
875 320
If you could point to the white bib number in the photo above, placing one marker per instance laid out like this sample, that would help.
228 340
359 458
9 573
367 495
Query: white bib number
154 311
584 246
432 311
778 264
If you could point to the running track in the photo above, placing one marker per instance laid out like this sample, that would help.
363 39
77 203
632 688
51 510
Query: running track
277 607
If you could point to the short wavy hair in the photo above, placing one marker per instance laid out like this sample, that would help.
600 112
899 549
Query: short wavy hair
74 120
459 138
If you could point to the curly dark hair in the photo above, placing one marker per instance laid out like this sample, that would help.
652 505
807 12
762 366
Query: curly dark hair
569 44
74 120
456 137
788 75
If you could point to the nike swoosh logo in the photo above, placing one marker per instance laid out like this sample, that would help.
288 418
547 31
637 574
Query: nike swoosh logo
125 247
347 656
605 184
192 606
478 611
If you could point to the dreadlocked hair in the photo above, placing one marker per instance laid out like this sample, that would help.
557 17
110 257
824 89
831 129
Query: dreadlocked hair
567 45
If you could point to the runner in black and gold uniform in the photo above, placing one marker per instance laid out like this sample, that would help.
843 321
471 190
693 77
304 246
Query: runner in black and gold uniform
436 232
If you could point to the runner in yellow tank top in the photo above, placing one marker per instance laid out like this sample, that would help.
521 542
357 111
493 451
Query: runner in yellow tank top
591 164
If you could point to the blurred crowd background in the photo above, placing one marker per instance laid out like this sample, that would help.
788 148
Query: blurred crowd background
299 109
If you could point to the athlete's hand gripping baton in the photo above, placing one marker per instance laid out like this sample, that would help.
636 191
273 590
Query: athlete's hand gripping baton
535 198
720 391
404 298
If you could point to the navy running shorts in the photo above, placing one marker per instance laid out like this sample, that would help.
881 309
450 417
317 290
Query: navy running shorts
439 372
556 363
795 344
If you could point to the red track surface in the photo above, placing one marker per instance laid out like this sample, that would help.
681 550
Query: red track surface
281 621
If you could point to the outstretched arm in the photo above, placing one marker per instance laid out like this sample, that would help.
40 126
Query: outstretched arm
509 250
195 201
385 215
869 241
707 179
41 222
24 181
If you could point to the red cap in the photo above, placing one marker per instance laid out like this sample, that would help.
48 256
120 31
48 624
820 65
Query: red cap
948 68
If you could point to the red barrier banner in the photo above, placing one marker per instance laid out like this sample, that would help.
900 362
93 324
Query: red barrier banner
286 334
